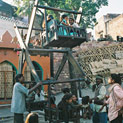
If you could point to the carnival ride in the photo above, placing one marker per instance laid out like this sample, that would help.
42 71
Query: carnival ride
52 41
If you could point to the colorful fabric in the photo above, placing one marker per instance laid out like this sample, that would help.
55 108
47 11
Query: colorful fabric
62 30
115 101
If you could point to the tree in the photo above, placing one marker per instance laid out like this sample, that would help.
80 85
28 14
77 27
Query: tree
90 8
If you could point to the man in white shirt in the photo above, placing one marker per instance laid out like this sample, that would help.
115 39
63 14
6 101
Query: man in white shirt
100 92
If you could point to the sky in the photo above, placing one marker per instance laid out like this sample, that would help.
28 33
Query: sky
115 6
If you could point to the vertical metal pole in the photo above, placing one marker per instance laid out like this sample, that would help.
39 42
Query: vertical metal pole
72 75
52 65
79 87
49 106
21 62
46 26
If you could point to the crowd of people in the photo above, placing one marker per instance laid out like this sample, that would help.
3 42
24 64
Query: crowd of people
70 107
65 22
113 101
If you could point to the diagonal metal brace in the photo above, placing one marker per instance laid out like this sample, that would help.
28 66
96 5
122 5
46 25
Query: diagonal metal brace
61 66
75 64
29 62
21 61
32 18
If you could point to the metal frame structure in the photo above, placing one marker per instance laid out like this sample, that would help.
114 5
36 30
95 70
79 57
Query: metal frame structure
26 51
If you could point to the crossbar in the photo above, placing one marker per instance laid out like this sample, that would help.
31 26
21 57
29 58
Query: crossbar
44 50
47 82
20 27
56 9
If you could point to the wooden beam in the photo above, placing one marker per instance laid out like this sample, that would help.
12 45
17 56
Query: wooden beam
29 62
21 42
32 18
75 64
20 27
46 82
21 62
33 71
45 52
78 18
46 25
61 66
56 9
72 76
51 65
48 50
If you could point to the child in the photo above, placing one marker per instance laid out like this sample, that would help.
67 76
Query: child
64 23
65 108
37 95
86 110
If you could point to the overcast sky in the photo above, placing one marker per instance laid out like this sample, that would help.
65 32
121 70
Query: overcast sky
115 6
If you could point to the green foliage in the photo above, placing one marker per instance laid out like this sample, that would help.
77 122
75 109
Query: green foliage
90 8
24 8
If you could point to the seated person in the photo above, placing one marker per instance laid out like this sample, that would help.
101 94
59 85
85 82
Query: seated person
64 22
86 109
36 42
37 95
42 95
49 18
73 24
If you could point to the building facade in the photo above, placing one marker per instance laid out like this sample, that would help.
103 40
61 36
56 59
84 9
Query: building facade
109 25
9 59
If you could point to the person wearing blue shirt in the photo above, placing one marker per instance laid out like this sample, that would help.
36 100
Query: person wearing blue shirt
18 104
64 23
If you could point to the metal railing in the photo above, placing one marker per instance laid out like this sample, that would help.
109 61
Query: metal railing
55 30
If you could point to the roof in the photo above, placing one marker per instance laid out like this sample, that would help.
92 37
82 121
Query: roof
6 8
112 15
7 41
